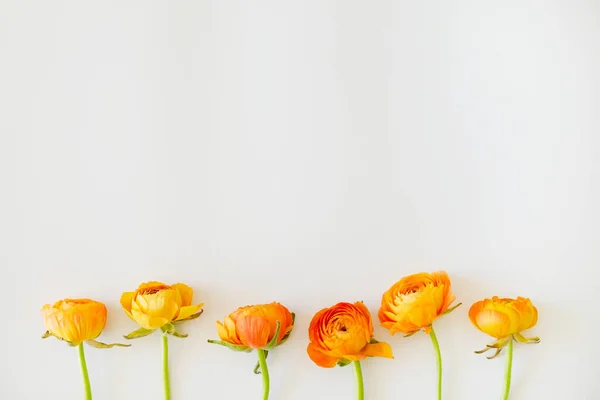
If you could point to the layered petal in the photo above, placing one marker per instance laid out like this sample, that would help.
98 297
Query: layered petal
415 301
256 326
502 317
343 333
155 304
75 320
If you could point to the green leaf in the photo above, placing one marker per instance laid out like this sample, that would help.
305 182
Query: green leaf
170 329
233 347
273 341
373 341
139 333
47 335
410 334
100 345
257 367
342 362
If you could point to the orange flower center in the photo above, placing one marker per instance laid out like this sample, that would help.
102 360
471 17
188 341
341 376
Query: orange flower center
153 290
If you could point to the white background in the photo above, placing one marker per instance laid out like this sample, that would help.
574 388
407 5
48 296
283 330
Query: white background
307 152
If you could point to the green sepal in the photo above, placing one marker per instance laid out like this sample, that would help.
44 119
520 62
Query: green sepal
448 311
139 333
522 339
100 345
191 317
257 367
50 334
373 341
410 334
342 362
233 347
498 345
170 330
287 335
273 341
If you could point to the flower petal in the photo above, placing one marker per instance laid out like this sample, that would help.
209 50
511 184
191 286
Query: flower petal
254 331
188 311
380 349
126 299
319 358
186 293
148 322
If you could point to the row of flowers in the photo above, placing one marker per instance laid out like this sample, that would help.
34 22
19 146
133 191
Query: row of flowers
338 336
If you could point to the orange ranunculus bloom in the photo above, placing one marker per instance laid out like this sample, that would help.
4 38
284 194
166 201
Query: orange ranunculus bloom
415 301
343 333
155 304
75 320
504 319
254 327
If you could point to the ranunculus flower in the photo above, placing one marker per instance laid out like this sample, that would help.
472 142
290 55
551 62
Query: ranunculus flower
415 301
343 333
504 319
157 305
255 326
260 327
77 321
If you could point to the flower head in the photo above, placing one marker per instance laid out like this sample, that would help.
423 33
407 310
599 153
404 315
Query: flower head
156 305
75 321
415 301
343 333
261 326
504 319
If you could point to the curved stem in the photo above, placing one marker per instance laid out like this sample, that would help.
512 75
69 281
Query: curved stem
165 359
359 380
264 371
84 372
508 370
438 357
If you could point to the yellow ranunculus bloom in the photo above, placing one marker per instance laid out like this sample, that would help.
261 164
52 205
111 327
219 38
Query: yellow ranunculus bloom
155 304
504 319
75 320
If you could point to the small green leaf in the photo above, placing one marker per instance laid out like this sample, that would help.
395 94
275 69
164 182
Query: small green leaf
170 329
342 362
273 341
373 341
139 333
47 335
233 347
257 367
410 334
100 345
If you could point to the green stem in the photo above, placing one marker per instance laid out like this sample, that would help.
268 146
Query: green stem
84 372
165 359
359 380
264 371
438 357
508 370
